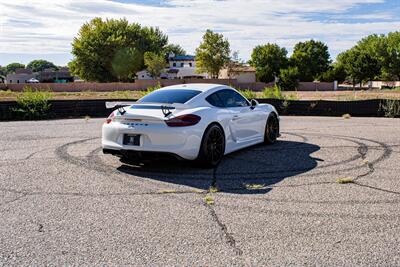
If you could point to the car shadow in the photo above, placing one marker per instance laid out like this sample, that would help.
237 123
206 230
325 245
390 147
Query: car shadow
249 171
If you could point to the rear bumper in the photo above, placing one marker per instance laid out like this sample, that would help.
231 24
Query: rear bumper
183 142
149 155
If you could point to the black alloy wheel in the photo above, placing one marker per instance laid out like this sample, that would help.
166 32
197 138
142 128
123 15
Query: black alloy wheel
212 147
271 129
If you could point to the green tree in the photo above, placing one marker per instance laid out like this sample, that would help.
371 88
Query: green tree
212 54
112 50
174 48
10 68
335 72
311 58
3 71
40 65
391 61
155 63
359 65
289 78
125 63
268 60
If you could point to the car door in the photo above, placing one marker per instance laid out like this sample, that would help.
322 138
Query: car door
245 121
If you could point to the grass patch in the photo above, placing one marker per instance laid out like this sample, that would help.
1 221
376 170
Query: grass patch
123 94
346 116
346 180
254 186
209 200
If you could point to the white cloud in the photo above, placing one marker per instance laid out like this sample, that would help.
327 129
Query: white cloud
38 26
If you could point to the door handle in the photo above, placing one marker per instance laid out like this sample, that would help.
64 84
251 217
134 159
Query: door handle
235 117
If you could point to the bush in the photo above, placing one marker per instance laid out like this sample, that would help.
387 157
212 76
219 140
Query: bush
289 79
391 108
32 104
249 94
272 92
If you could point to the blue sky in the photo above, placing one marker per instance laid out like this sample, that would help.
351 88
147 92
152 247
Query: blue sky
33 29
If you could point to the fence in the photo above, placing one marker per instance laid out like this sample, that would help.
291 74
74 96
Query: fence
96 108
144 84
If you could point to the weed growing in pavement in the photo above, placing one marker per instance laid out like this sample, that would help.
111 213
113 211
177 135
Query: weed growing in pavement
346 116
213 189
209 200
365 162
346 180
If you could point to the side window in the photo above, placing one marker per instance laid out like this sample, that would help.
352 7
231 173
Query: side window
232 99
215 101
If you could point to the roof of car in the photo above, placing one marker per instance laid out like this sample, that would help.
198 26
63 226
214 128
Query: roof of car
195 86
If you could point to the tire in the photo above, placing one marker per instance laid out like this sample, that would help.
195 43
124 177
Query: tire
271 129
212 148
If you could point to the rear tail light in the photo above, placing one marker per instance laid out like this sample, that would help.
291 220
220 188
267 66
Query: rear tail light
184 120
110 118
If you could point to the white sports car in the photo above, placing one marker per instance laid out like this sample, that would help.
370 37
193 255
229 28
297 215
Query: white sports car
200 122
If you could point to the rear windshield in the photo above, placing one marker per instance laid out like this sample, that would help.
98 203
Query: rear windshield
169 96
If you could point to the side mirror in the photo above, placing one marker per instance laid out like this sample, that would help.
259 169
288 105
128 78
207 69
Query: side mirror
253 103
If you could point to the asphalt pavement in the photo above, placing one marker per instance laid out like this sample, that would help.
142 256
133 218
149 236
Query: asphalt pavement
327 193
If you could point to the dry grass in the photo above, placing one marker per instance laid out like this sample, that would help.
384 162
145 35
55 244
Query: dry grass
346 116
346 180
331 95
86 95
254 186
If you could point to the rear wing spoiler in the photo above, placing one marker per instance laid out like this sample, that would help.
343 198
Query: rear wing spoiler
110 105
120 104
165 107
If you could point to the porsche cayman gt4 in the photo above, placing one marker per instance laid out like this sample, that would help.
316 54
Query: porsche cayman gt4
201 122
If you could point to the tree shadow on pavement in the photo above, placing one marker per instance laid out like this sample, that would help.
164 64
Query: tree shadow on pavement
249 171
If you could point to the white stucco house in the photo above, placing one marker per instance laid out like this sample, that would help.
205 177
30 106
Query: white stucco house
143 75
179 67
243 74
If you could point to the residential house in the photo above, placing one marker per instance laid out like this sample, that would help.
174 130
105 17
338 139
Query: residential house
179 67
20 76
183 67
62 75
143 75
243 74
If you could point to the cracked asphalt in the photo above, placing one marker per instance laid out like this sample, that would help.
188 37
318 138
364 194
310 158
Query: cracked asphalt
62 202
